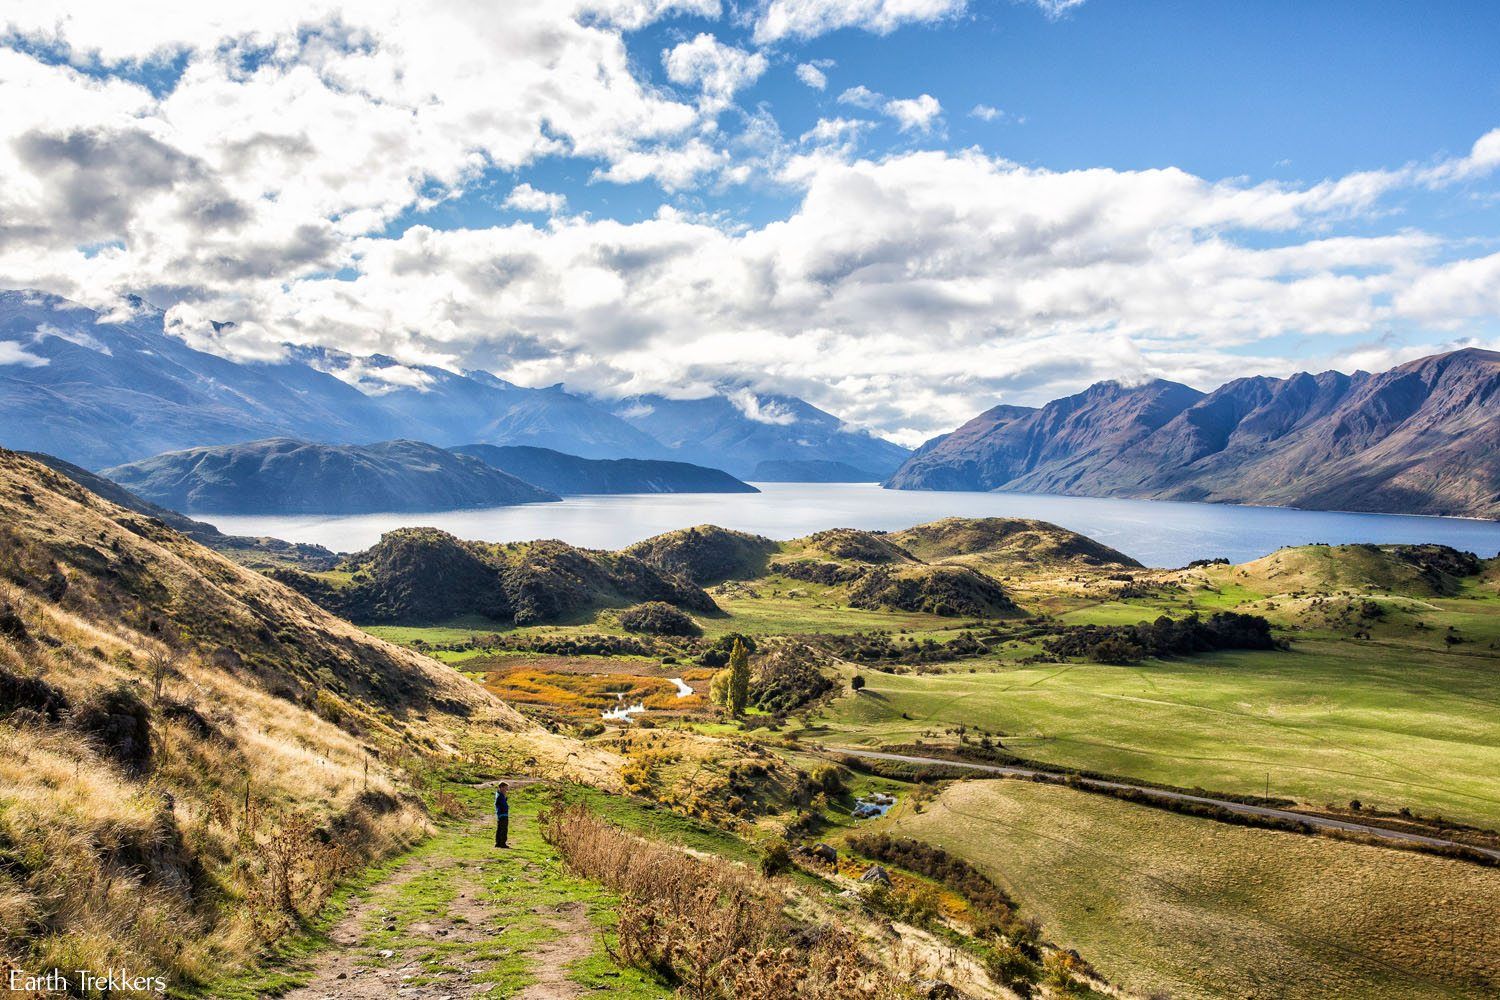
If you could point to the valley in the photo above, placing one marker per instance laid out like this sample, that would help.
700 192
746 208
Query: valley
1353 681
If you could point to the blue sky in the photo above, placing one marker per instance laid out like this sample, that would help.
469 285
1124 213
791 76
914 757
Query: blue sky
648 195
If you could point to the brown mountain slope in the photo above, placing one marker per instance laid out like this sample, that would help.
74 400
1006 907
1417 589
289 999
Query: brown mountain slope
190 754
1422 438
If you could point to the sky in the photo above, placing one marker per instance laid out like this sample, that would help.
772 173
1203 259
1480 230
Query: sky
903 211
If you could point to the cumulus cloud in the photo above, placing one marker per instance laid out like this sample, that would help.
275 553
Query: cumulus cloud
525 198
911 114
762 411
916 114
716 69
779 19
904 293
812 76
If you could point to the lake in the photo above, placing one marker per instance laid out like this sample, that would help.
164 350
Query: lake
1157 532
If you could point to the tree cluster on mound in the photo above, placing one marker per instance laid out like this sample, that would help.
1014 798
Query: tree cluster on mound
882 647
658 618
1120 644
819 571
705 554
426 575
954 591
785 679
1441 565
591 644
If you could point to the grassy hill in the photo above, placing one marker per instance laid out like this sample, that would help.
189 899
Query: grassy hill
1407 570
1013 543
705 553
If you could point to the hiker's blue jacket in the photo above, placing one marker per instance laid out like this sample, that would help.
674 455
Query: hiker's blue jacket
502 805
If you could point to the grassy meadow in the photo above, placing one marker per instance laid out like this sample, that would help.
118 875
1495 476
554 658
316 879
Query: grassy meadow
1165 904
1326 721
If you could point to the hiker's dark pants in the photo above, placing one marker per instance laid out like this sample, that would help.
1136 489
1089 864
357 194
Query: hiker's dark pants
502 830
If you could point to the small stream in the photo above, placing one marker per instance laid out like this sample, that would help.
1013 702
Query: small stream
626 713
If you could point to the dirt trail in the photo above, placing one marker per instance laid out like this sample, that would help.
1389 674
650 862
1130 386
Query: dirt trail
353 969
446 925
575 941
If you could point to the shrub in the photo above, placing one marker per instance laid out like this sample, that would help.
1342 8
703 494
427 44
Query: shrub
858 683
776 860
658 618
118 724
830 779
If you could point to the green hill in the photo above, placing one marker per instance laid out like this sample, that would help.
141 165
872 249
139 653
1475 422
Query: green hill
1008 541
706 553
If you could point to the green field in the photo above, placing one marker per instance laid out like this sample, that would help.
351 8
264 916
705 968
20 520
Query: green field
1172 905
1329 721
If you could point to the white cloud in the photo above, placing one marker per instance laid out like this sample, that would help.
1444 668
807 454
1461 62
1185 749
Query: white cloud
861 96
916 114
1057 8
525 198
673 167
13 353
80 338
909 113
716 69
778 19
835 131
904 294
759 410
812 76
985 112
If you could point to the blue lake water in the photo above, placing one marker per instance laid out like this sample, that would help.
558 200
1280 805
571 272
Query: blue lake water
1158 533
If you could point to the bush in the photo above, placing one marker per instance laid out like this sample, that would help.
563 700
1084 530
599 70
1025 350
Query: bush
716 654
830 779
777 860
658 618
118 723
858 683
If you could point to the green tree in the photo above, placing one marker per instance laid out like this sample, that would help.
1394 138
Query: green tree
739 678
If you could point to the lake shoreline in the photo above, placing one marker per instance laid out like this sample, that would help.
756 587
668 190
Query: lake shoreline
1160 533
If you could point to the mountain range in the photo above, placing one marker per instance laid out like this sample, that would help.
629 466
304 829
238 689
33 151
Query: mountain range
285 476
105 390
569 474
1421 438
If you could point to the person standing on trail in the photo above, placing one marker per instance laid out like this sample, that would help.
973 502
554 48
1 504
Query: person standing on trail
502 816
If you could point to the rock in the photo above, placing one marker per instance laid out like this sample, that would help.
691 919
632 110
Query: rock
875 875
823 852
